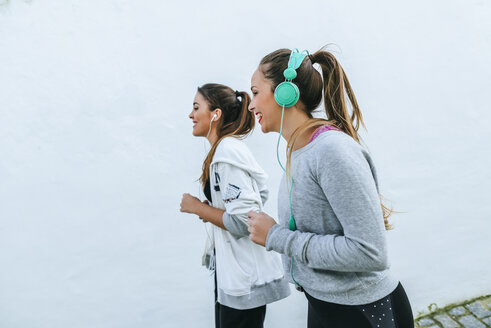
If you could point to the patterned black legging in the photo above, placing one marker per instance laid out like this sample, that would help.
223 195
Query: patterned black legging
392 311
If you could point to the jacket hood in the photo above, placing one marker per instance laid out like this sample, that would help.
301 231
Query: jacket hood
234 151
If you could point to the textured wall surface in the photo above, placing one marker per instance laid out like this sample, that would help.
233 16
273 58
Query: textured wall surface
96 147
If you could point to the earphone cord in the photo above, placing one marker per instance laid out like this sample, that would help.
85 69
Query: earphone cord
279 137
209 130
279 162
289 192
207 135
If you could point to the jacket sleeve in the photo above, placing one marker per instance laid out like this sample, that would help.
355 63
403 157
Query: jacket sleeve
239 197
344 175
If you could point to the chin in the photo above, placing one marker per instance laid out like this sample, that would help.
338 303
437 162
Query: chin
196 133
264 129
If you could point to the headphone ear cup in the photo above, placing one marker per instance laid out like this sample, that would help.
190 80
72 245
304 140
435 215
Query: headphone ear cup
286 94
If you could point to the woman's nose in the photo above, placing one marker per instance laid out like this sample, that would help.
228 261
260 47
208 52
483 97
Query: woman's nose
250 107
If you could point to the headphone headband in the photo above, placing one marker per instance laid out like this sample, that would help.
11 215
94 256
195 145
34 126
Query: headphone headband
296 58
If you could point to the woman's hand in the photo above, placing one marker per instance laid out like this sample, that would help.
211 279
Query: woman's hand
259 225
189 203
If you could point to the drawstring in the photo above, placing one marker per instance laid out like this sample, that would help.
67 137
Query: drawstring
211 265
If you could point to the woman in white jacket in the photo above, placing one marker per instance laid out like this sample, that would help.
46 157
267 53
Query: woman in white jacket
247 277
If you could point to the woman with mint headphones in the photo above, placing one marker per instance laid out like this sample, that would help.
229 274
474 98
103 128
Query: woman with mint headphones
331 230
247 277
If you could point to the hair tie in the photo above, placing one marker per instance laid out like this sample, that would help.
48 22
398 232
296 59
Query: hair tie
237 94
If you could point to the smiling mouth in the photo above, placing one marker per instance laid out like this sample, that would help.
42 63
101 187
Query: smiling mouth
259 117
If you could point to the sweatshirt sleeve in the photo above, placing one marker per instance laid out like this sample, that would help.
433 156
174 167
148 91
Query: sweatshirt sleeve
344 174
239 197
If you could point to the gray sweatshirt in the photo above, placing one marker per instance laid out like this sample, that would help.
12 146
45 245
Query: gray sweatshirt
339 249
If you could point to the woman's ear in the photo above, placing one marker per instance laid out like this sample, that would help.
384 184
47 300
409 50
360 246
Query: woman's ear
218 113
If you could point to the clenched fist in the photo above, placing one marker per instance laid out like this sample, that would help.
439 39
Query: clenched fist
189 203
259 225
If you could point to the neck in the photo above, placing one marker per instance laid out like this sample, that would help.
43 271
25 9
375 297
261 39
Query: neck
212 137
292 119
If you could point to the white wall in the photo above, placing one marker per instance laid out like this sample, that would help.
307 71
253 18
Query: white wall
96 147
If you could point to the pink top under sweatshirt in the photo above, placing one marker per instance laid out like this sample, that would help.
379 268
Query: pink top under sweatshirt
321 129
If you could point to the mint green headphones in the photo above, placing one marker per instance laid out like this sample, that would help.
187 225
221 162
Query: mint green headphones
286 93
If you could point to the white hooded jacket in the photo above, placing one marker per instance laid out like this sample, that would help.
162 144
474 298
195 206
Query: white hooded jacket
238 185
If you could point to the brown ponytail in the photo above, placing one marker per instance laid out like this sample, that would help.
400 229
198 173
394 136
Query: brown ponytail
337 91
333 84
235 120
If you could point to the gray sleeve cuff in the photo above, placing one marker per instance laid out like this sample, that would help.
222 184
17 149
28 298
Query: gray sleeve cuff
234 225
274 237
290 243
